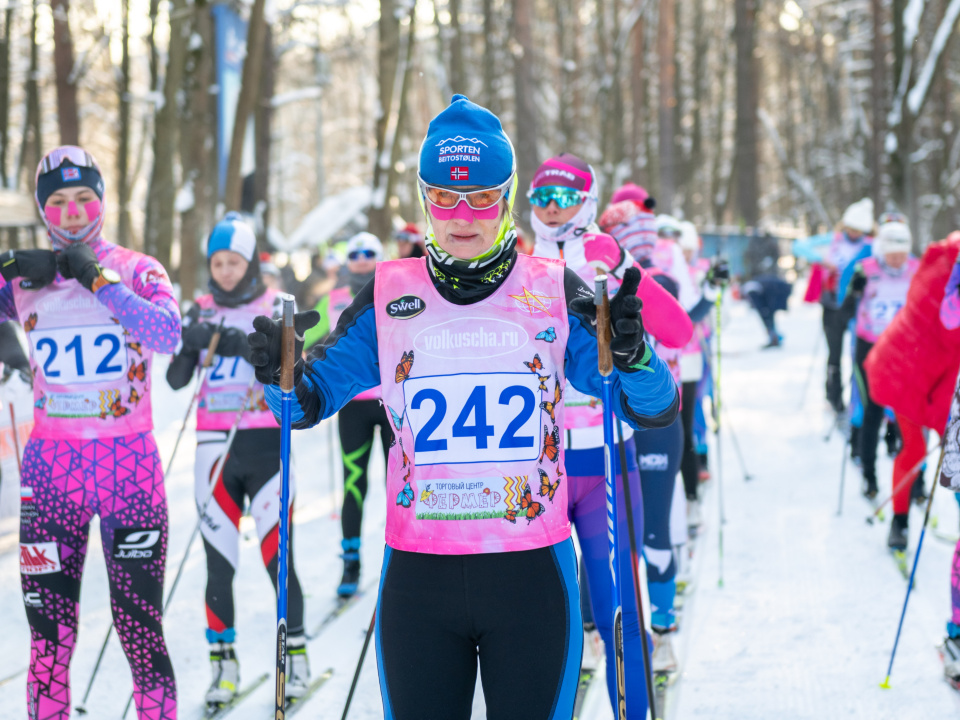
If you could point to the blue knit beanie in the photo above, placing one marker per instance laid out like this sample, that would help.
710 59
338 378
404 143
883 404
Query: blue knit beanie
232 233
466 146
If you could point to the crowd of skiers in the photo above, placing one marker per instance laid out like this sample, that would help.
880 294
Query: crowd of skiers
904 313
475 368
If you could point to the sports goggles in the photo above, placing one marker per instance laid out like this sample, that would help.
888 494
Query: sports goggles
361 255
564 197
77 156
448 199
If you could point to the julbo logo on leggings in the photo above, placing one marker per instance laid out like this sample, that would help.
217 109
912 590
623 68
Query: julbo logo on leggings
137 544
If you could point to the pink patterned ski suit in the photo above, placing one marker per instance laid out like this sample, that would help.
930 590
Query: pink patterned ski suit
92 452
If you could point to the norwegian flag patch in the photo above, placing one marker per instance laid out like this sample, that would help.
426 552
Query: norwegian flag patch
70 173
459 173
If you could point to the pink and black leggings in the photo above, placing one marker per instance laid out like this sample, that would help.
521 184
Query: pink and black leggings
63 485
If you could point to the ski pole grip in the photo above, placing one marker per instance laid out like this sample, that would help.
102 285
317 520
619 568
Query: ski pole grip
600 299
212 347
288 341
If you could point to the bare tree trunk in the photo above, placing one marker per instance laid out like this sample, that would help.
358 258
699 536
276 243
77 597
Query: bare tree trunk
699 90
900 175
387 61
525 93
263 116
246 102
458 79
402 106
878 98
747 101
5 93
666 48
491 64
63 64
32 144
123 149
196 143
638 97
158 228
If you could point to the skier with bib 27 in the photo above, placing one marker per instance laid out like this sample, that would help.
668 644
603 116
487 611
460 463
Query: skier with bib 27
472 347
252 467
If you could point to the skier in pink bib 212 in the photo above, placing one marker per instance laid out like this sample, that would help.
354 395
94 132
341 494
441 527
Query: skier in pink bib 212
94 314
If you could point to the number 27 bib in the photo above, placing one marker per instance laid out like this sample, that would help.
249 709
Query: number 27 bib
474 394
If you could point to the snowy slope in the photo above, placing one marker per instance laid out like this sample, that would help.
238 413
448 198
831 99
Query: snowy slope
802 627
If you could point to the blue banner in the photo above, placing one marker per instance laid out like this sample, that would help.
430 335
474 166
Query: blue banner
230 33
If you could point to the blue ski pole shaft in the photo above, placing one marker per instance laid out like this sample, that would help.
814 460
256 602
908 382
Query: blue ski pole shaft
605 367
635 571
916 559
287 360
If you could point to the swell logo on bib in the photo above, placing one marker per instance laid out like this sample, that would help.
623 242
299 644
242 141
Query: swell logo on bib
405 307
471 337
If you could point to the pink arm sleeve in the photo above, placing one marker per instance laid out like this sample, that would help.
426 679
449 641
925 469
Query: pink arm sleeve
662 315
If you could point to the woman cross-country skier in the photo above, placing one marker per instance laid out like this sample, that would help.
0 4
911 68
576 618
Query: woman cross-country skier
94 314
360 418
848 242
913 368
878 290
252 468
472 347
563 195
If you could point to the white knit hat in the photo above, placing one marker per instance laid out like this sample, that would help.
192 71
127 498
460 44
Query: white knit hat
667 223
859 216
892 237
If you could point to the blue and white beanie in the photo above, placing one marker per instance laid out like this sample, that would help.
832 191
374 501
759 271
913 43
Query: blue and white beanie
232 233
466 146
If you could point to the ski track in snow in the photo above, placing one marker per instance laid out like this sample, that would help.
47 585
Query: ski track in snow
802 627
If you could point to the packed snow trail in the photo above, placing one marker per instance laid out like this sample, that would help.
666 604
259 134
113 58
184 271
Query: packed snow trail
802 628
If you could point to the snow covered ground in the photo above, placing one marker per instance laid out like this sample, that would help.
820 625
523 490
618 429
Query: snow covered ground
802 627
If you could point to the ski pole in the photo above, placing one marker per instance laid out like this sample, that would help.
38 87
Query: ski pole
717 409
202 512
331 438
813 365
843 475
906 479
635 567
201 376
288 342
16 440
605 367
356 673
736 447
916 559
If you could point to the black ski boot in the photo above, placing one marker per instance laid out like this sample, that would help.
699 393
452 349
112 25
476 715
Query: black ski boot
835 389
351 567
870 489
897 539
855 446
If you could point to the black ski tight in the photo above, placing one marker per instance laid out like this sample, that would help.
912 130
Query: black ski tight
358 421
690 462
872 415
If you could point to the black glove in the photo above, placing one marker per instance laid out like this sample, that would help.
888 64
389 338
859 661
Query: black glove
233 343
719 272
265 344
38 267
80 262
627 344
858 283
12 355
196 337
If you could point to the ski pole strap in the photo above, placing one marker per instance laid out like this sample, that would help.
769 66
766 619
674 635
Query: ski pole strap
212 347
288 339
602 302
